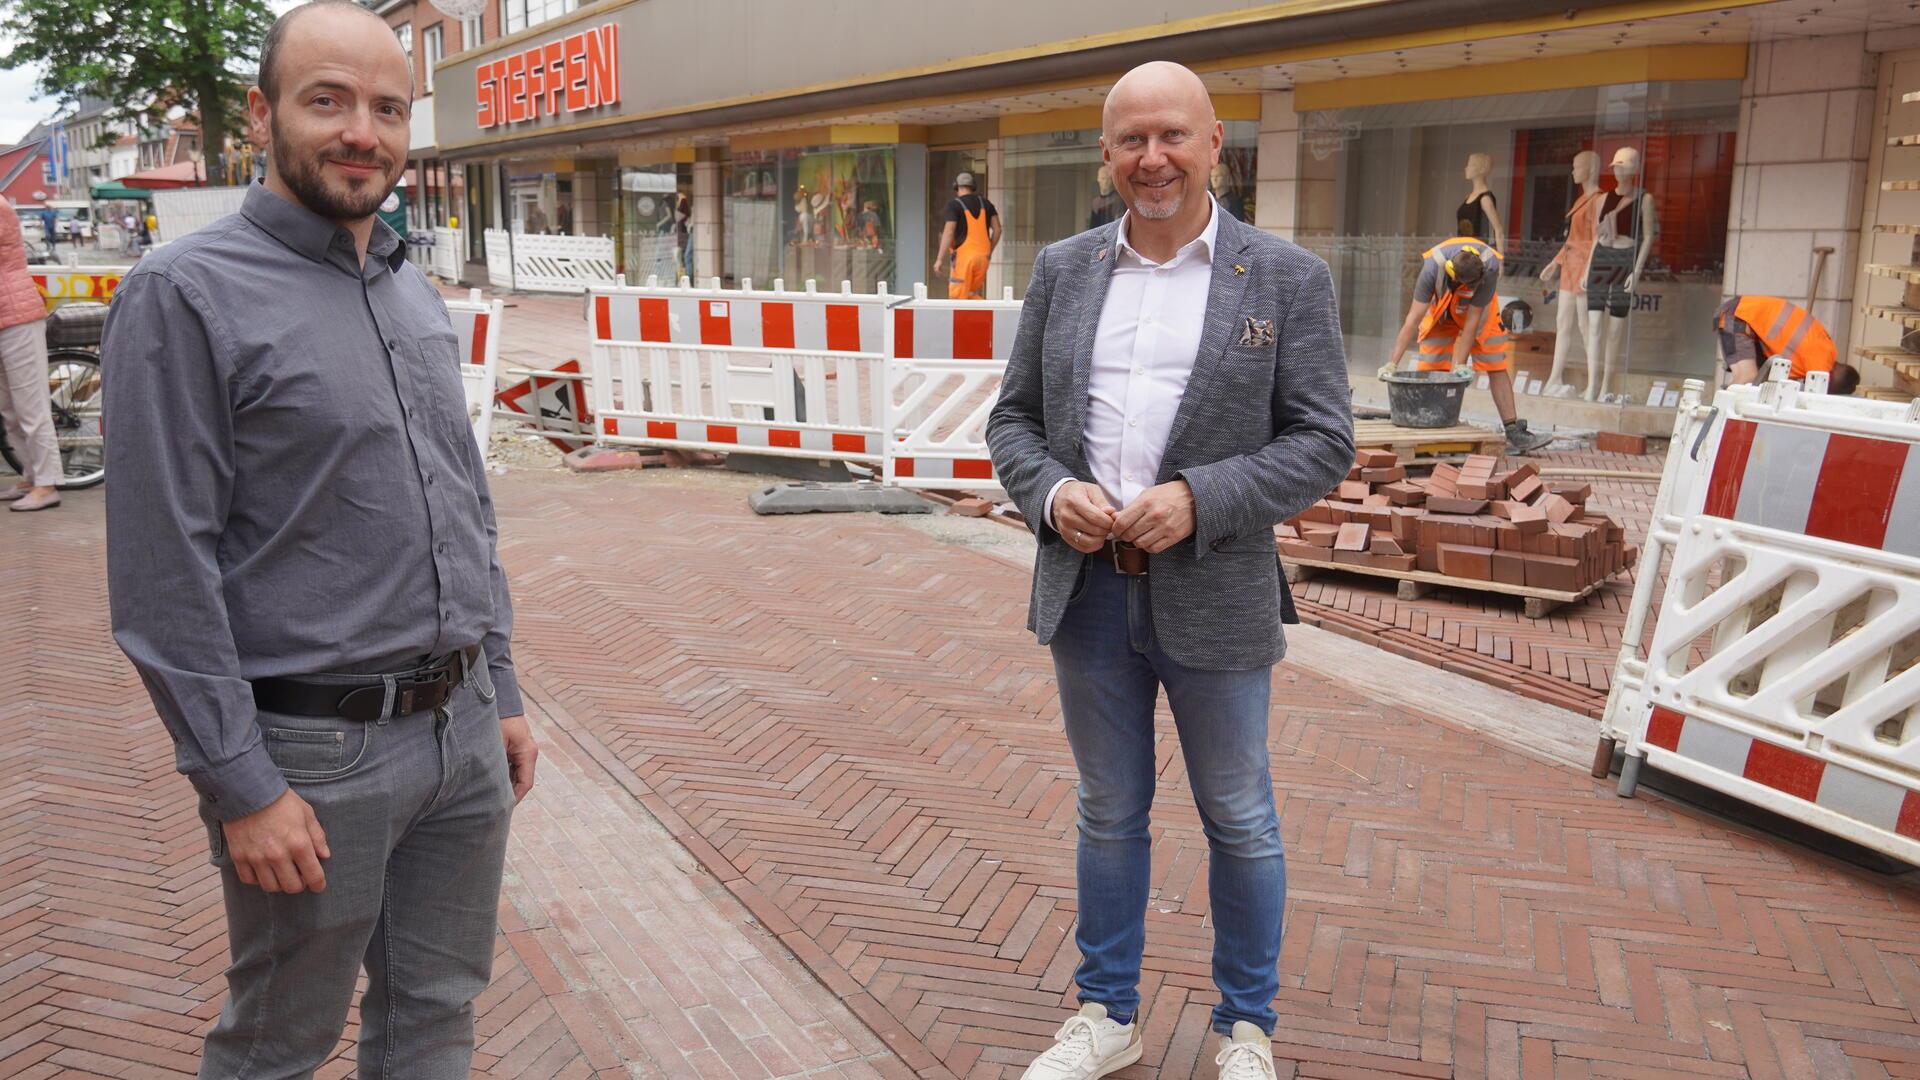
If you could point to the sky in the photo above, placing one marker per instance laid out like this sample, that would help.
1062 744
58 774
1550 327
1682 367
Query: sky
20 108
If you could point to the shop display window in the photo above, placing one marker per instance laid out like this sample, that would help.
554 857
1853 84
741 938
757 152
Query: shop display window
1056 186
1382 184
824 214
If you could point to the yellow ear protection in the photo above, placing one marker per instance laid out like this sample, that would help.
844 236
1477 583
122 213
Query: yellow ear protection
1451 276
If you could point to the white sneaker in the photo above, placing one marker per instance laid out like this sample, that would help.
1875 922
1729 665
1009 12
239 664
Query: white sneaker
1246 1056
1090 1045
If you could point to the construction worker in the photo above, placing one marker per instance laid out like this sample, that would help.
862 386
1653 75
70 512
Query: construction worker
1755 329
1455 317
971 231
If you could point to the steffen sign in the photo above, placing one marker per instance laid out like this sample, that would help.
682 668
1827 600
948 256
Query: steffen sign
566 75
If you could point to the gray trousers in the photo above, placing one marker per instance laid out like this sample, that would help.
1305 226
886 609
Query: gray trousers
416 812
25 404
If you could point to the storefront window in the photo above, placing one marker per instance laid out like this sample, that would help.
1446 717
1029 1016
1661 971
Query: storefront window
1382 184
1056 187
576 202
821 214
655 222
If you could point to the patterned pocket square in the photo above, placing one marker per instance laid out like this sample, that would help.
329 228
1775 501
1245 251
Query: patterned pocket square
1257 332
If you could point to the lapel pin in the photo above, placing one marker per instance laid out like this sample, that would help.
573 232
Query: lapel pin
1238 269
1101 254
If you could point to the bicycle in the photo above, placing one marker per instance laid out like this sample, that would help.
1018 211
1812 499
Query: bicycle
74 386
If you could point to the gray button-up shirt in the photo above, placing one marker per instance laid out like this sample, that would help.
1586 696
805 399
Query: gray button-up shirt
294 485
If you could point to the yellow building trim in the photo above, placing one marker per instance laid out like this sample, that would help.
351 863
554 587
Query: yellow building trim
830 135
790 139
663 155
1655 63
1480 31
1644 9
1236 106
1044 123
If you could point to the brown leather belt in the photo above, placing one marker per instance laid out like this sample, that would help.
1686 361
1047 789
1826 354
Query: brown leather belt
1124 558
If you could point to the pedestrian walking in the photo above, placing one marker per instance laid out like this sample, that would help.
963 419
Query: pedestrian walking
1176 388
50 228
301 565
129 234
969 236
1456 319
24 404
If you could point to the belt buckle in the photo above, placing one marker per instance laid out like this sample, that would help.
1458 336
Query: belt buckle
409 689
1118 547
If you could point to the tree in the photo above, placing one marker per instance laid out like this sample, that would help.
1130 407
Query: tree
145 54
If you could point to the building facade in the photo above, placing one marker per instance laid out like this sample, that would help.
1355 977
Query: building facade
753 142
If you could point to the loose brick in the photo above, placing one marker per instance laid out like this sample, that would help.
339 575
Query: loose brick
1553 572
1455 505
1509 568
1402 493
1527 519
1352 537
1387 475
1384 545
1556 508
1353 490
1577 494
1319 534
1525 489
1377 499
1614 442
970 508
1465 561
1375 459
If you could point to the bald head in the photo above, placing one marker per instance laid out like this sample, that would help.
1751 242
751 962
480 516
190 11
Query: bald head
1160 138
1157 84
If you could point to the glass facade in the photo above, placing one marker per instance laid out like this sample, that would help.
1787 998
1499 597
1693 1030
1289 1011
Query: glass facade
824 214
1381 184
656 214
1056 186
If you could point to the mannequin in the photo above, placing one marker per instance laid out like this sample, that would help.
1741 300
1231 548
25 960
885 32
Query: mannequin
1226 194
1628 224
1569 267
1106 205
1479 214
802 216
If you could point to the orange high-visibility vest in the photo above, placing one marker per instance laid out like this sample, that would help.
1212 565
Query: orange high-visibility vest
1447 311
1786 329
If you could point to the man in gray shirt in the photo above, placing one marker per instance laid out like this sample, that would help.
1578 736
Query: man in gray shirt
301 560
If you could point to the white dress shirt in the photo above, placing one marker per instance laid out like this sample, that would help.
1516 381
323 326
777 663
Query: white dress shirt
1143 356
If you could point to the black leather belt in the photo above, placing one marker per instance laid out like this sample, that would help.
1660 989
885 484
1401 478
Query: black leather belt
365 698
1124 557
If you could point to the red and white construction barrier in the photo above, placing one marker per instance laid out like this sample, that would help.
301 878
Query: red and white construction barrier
477 324
793 374
1789 519
945 359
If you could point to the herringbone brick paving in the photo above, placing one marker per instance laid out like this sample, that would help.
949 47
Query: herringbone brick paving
1566 659
618 955
846 721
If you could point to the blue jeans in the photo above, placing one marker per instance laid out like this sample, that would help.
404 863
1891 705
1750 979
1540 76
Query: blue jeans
1110 669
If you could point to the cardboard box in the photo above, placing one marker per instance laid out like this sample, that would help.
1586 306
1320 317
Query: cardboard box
1352 537
1466 561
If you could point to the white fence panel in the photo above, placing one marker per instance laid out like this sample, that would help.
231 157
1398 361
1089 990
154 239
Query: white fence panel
945 362
449 253
788 374
182 210
566 264
1782 669
477 323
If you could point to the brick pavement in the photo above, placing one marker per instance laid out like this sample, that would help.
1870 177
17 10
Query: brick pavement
844 720
618 955
1566 659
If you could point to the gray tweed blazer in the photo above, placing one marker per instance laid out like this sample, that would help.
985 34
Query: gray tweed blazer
1263 432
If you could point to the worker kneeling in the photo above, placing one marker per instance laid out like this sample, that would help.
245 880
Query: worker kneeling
1456 320
1754 329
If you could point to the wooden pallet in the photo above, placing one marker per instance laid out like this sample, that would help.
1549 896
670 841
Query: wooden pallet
1414 584
1428 444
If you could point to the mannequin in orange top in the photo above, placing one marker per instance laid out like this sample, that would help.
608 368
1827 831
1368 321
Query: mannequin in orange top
1568 270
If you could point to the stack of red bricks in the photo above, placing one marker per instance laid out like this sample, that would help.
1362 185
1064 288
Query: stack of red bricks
1470 522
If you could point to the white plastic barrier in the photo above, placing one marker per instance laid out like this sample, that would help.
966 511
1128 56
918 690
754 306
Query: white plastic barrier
179 211
477 322
1782 669
449 253
789 374
945 361
59 284
539 263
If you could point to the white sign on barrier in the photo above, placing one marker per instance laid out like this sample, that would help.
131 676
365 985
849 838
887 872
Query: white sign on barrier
477 323
449 253
1783 666
789 374
945 359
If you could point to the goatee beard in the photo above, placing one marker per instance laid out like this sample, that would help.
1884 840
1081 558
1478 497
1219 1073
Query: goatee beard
304 177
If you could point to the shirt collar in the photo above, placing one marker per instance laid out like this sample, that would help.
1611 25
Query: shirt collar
310 234
1208 237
